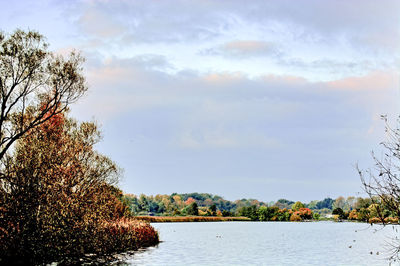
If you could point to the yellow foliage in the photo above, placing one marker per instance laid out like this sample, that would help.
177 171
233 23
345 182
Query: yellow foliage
202 213
295 217
392 220
353 215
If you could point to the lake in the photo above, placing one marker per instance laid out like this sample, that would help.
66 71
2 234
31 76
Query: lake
268 243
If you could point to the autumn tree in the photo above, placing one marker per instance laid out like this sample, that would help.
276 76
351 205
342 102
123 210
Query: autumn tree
340 202
59 198
55 187
58 201
35 84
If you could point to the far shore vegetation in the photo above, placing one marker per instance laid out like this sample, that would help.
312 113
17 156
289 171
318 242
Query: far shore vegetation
184 207
175 219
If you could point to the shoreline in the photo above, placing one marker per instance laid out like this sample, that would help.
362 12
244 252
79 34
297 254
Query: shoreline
182 219
177 219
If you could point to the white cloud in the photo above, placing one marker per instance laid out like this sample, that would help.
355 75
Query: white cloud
219 89
97 23
319 41
239 49
231 110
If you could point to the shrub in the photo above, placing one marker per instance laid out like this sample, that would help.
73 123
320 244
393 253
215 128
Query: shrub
226 213
375 220
295 217
353 215
339 212
391 220
305 213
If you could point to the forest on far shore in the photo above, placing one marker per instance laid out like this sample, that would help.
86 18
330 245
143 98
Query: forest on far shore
205 204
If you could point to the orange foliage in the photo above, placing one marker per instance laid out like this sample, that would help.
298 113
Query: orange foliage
295 217
189 201
353 215
305 213
375 220
62 202
392 220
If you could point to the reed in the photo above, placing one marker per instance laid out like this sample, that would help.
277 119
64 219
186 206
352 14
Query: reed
125 234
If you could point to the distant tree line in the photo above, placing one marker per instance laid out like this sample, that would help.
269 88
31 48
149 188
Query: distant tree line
205 204
186 204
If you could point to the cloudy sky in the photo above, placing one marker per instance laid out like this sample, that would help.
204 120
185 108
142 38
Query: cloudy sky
263 99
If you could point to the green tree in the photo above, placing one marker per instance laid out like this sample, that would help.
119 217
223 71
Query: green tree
363 215
340 212
325 203
250 212
316 216
363 203
193 209
263 213
297 206
267 213
213 209
143 203
226 213
312 205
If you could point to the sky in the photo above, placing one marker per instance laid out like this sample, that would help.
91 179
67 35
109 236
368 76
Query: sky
263 99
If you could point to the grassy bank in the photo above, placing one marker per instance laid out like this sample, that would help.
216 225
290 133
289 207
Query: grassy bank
169 219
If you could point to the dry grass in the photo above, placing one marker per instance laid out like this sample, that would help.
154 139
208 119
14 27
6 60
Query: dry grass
173 219
127 234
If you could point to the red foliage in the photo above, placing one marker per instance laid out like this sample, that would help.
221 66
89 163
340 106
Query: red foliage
305 213
189 201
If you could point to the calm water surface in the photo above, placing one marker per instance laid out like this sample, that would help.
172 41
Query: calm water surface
268 243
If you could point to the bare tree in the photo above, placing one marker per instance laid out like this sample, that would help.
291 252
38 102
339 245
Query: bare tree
382 183
35 84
